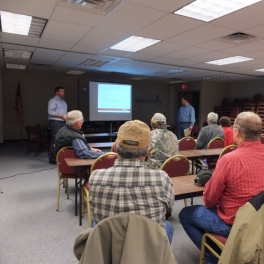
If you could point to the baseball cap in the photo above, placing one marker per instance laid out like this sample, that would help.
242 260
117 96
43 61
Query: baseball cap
133 134
158 117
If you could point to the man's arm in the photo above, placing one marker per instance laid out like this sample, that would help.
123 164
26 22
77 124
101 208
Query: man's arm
192 117
215 187
169 193
83 152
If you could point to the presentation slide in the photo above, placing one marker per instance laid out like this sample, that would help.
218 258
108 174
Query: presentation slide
110 101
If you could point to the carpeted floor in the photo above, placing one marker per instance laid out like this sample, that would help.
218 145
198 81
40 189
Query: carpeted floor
32 231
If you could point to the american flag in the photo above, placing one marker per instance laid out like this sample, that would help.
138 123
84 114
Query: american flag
18 105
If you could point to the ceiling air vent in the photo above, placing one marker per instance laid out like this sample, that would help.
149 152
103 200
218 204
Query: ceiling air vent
239 38
102 7
94 63
39 66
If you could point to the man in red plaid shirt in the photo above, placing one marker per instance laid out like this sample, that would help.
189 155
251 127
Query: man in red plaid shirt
238 176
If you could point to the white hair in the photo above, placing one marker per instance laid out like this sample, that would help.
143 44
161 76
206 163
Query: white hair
73 117
212 117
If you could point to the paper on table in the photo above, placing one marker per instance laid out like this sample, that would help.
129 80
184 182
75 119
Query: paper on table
187 132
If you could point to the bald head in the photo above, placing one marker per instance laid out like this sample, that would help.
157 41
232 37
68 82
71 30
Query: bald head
249 125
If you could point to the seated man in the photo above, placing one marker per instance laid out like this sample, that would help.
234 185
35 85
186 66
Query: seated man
163 143
128 186
70 135
209 132
238 176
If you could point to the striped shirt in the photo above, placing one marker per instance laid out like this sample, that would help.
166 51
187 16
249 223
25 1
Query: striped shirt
130 187
238 176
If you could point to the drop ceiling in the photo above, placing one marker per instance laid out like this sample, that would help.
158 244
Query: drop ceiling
74 35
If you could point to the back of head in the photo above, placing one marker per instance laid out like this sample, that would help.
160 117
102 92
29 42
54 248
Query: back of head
73 117
56 89
212 117
249 125
224 121
158 121
133 139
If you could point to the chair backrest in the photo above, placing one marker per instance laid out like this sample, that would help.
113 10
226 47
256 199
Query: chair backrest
105 161
63 168
195 131
177 165
32 132
132 237
234 112
228 149
262 139
216 142
187 143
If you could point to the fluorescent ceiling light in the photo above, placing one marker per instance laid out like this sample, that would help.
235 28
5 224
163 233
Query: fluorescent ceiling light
208 10
15 23
16 66
134 43
260 70
17 54
75 72
229 60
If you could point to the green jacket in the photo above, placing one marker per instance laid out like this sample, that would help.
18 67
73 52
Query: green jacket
245 243
124 239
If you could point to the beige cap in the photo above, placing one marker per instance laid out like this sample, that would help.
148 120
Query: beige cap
158 117
133 135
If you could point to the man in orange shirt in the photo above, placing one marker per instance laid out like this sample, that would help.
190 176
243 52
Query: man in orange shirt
238 176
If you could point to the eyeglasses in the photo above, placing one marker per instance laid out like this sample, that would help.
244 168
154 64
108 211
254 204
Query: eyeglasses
82 120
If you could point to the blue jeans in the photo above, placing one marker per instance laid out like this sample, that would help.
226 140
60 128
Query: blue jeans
168 227
197 220
181 127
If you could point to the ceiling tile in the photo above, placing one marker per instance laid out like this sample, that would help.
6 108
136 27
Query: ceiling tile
19 39
201 34
61 31
18 47
87 49
162 48
169 26
74 16
252 16
168 5
214 45
55 44
98 36
187 53
129 18
37 8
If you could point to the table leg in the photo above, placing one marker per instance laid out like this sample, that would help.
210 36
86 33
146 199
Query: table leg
76 190
80 201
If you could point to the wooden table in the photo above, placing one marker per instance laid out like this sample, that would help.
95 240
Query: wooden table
79 165
101 135
101 145
184 187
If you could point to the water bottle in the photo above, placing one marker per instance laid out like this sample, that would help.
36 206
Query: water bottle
204 165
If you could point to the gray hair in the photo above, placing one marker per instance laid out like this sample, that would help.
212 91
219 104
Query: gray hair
73 117
160 125
249 125
212 117
125 153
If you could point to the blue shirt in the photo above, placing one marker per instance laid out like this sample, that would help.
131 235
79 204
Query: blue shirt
186 114
82 150
56 106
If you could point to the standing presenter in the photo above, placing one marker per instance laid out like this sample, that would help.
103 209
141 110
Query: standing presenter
57 111
186 117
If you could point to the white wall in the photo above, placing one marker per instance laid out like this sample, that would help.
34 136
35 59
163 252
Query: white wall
38 87
1 109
